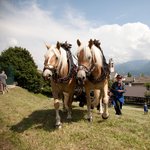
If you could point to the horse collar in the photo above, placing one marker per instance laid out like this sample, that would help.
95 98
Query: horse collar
72 70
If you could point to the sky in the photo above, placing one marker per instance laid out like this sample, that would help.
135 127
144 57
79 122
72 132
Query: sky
122 27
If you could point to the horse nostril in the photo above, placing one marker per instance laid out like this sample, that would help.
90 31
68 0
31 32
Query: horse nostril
79 79
83 78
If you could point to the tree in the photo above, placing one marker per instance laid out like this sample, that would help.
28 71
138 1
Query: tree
147 93
147 85
110 83
142 75
129 74
23 67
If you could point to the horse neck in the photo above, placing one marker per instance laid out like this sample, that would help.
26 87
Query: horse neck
64 71
98 62
63 65
96 73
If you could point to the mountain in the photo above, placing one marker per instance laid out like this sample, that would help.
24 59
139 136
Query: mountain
135 67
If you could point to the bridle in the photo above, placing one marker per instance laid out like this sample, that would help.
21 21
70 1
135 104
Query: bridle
55 70
88 71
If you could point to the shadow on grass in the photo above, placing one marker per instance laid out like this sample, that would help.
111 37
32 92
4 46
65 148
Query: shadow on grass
45 119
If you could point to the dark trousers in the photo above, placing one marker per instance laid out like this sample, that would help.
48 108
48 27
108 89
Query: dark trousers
118 107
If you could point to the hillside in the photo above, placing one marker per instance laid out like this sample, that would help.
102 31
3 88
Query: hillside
135 67
27 123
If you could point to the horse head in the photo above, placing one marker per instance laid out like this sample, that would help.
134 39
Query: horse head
90 61
84 62
52 57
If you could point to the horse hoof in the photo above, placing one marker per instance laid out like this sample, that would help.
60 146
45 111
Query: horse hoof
90 119
59 126
105 117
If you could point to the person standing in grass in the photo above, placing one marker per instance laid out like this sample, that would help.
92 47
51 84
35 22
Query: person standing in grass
118 90
145 108
3 78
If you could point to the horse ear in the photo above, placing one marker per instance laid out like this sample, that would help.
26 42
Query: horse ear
58 45
90 43
78 42
47 46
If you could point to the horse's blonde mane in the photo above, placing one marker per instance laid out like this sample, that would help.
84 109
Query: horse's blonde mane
51 52
62 59
94 52
86 51
80 48
62 56
97 54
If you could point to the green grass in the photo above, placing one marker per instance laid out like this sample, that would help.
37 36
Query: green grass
27 123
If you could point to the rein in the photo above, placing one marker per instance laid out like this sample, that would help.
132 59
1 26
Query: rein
87 71
104 75
89 75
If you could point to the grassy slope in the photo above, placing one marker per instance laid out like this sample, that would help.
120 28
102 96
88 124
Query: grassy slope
27 122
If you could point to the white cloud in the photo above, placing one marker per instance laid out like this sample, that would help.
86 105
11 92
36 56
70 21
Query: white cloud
126 42
31 26
75 19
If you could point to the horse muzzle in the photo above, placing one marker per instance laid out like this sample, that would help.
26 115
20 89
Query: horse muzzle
47 74
80 81
81 77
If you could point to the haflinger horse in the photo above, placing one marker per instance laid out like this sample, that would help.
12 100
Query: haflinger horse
93 74
60 69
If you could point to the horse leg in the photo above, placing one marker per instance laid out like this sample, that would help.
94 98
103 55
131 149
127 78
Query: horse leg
101 103
64 108
105 114
3 89
95 102
56 105
66 102
89 113
98 98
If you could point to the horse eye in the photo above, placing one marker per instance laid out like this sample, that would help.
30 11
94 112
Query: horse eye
56 58
89 57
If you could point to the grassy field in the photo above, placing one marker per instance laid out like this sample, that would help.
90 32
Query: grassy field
27 123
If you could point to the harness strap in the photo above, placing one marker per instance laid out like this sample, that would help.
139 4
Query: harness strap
104 75
72 70
105 69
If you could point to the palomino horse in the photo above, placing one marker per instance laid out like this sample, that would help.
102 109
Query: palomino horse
93 74
60 69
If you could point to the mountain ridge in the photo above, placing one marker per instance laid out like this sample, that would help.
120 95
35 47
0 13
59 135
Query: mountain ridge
135 67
